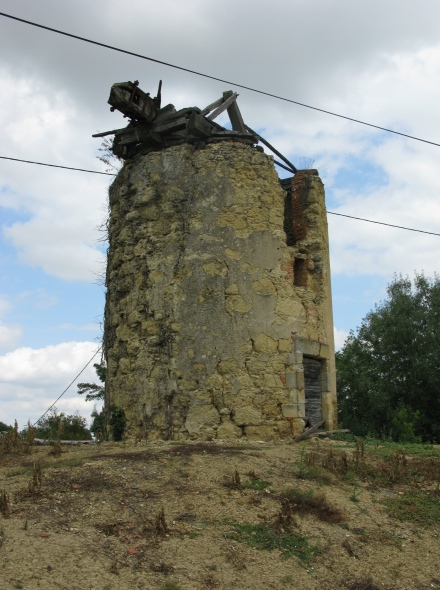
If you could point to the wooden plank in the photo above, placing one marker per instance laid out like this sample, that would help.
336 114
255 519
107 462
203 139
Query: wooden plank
225 104
140 134
235 114
211 106
325 433
104 133
166 111
308 432
199 126
168 126
182 112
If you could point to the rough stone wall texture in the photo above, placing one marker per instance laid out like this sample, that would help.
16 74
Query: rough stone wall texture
205 324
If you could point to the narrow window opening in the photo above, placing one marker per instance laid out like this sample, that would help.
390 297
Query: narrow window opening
300 272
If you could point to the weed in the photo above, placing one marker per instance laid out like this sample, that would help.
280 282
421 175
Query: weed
307 502
171 586
56 449
288 579
418 507
383 448
34 487
233 482
11 442
257 484
338 462
354 496
162 567
301 465
194 535
284 519
4 503
157 527
396 468
2 535
263 537
69 462
17 471
114 567
160 525
319 475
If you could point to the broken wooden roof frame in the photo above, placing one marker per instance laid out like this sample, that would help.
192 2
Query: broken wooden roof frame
152 127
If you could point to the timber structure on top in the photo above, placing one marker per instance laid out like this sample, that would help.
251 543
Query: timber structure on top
153 128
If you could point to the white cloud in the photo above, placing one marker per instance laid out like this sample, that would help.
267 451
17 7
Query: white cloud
32 379
340 338
10 334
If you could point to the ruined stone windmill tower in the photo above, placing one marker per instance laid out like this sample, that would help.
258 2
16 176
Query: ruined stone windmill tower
218 319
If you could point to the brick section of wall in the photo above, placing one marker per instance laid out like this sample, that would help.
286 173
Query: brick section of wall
299 185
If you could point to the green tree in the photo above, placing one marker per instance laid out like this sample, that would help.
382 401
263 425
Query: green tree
117 422
103 422
98 423
388 372
94 391
4 427
70 427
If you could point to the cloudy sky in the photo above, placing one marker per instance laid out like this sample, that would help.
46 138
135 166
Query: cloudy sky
377 61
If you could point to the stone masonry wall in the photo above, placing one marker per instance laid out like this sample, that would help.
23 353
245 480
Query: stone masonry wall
205 324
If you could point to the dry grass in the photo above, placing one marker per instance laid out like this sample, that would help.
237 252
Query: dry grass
309 502
163 517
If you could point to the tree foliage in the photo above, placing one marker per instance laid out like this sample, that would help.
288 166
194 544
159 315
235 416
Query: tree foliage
389 371
94 391
59 425
109 421
4 427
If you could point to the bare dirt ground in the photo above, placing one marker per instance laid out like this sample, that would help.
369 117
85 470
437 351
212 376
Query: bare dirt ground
319 515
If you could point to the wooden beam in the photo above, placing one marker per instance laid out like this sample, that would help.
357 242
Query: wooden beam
235 114
169 126
308 432
104 133
224 105
211 106
199 126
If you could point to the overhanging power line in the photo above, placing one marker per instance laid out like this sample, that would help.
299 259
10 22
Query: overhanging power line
188 70
329 212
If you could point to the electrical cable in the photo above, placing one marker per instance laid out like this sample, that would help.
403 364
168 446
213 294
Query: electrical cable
164 63
70 384
329 212
56 166
431 233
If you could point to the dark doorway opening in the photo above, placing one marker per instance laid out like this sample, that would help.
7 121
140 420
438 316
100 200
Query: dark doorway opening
313 389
